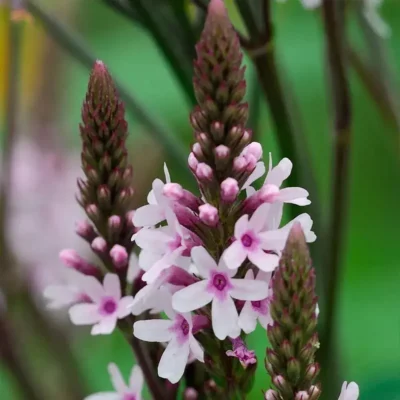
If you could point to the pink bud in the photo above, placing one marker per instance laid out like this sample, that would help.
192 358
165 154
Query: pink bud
268 193
73 260
85 230
217 7
190 394
251 162
179 277
119 256
271 395
192 161
173 191
239 164
114 222
302 395
92 211
197 151
208 214
254 149
204 172
99 245
222 151
229 190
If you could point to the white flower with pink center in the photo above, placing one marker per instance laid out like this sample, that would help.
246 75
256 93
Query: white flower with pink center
133 391
106 307
154 212
178 333
219 289
349 391
260 240
163 247
254 311
70 292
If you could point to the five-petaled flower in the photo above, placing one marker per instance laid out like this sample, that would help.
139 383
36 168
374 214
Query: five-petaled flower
106 306
133 391
178 333
219 288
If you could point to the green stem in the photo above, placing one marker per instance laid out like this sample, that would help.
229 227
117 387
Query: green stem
333 16
74 46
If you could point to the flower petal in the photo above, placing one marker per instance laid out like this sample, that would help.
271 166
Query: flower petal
105 326
133 268
116 378
112 286
60 295
148 258
241 226
153 330
279 173
265 320
148 215
196 349
274 240
264 261
192 297
173 361
247 318
84 314
203 261
253 290
275 216
258 172
125 306
155 240
259 217
136 380
295 195
166 173
224 318
234 255
93 288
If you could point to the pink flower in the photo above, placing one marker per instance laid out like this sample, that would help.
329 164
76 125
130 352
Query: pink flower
154 212
254 311
240 351
122 391
163 247
178 332
260 240
349 391
106 308
220 289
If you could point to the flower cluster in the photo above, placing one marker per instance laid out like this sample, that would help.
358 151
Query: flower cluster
207 265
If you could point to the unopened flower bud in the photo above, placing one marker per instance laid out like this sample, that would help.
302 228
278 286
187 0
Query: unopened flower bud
208 214
303 395
271 395
114 224
190 394
254 149
312 371
204 172
73 260
314 392
119 256
268 193
198 152
239 164
99 245
85 230
222 157
93 212
192 161
229 190
217 131
282 385
293 370
251 162
173 191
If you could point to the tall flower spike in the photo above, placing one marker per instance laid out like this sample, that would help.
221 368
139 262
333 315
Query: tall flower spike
219 119
106 193
293 335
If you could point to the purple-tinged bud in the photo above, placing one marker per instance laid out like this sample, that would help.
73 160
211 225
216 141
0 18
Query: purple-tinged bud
303 395
293 370
283 386
114 224
204 172
193 162
209 214
240 351
239 164
190 394
251 162
93 212
221 151
314 392
179 277
73 260
99 245
198 152
85 230
229 190
119 256
200 322
271 395
268 193
254 149
217 8
217 131
175 192
312 371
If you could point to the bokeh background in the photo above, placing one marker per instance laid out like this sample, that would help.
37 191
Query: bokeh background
52 85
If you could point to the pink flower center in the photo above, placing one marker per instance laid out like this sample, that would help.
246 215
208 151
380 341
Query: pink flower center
129 396
261 307
176 243
256 304
219 281
109 306
247 240
185 327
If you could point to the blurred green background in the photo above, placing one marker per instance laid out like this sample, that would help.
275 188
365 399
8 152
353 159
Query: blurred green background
369 324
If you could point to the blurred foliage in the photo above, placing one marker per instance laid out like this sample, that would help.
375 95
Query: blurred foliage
368 314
